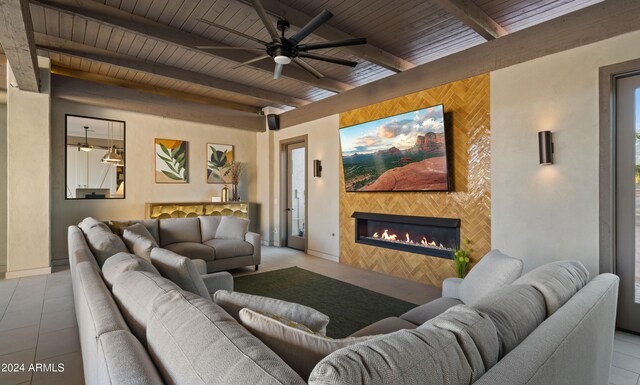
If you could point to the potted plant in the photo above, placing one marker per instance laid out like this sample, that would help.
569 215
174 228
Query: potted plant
462 258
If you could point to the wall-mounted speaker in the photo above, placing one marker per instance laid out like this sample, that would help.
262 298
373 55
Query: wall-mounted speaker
273 121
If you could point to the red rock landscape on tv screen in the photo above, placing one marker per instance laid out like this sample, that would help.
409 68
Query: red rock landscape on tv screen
405 152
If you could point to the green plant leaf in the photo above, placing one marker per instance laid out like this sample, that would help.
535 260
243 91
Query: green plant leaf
172 168
180 157
164 158
172 176
164 149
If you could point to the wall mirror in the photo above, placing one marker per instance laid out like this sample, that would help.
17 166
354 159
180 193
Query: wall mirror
95 158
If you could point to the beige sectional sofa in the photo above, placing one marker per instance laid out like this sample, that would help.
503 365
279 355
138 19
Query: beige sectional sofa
551 327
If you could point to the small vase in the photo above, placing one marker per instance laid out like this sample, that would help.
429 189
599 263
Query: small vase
234 192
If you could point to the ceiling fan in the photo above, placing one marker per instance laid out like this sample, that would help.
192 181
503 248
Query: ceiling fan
285 50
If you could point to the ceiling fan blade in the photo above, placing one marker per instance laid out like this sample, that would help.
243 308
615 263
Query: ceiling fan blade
268 24
252 61
230 30
332 44
311 26
305 66
222 47
328 59
277 71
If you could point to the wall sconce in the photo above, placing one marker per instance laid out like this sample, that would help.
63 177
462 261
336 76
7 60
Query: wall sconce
317 168
545 147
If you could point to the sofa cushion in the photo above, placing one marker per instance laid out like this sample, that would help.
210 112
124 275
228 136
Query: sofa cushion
299 348
384 326
89 222
179 270
139 240
123 360
208 226
233 302
232 228
476 334
174 230
193 250
229 248
135 291
423 313
153 226
492 272
516 311
96 312
121 262
103 243
419 356
194 341
557 281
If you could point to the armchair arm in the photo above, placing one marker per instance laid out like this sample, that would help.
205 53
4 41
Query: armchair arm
201 266
254 239
451 287
218 281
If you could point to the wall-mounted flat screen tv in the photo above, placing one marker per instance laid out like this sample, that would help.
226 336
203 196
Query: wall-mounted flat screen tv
404 152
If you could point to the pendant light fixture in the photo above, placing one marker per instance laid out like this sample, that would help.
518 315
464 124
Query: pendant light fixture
112 155
86 147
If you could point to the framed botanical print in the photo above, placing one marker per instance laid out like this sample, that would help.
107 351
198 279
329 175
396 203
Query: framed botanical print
172 161
219 159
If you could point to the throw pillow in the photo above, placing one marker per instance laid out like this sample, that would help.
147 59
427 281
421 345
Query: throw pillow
121 262
299 348
179 270
139 240
232 228
88 223
516 311
103 243
494 271
557 281
233 302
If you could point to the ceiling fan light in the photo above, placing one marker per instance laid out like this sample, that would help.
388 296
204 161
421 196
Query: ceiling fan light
282 59
86 147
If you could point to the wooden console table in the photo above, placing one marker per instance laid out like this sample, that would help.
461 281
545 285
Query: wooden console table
193 209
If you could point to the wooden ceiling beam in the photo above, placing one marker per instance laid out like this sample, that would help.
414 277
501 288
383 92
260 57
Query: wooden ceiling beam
116 18
474 17
54 44
97 94
367 52
97 78
16 37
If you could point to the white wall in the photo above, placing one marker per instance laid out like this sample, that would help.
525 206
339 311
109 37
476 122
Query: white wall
546 213
141 129
28 177
323 143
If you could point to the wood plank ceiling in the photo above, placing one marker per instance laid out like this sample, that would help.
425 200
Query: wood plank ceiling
150 44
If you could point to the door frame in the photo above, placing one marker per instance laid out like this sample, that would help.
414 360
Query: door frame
608 76
608 154
284 190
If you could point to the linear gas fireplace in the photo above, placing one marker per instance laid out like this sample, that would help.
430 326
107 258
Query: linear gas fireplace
437 237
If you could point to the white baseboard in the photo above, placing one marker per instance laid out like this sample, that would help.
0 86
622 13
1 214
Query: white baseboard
323 255
27 272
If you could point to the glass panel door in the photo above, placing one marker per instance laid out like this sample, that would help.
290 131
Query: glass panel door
296 195
628 201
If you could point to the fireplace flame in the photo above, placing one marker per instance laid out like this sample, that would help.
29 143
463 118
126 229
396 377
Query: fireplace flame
394 237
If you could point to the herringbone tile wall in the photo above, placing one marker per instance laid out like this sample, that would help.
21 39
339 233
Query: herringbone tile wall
466 105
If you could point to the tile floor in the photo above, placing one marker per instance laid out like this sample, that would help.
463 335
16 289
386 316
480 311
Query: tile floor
37 318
